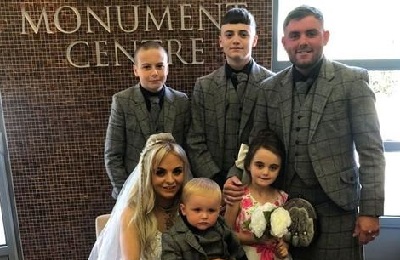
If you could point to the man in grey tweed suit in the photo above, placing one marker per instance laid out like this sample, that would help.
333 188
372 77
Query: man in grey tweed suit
223 101
320 131
131 122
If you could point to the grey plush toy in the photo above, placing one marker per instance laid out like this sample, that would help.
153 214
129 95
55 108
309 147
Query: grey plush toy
303 227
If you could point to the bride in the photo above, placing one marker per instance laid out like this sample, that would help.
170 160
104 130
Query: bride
147 204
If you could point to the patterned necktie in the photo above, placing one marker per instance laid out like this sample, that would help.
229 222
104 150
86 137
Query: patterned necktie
154 110
302 89
241 78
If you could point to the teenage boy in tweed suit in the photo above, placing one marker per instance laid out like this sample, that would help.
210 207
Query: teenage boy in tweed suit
131 122
223 102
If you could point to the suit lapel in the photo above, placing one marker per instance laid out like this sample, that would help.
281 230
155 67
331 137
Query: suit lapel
322 92
182 229
141 113
249 96
168 110
285 104
220 102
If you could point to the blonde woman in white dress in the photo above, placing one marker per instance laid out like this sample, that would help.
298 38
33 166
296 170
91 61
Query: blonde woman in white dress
147 205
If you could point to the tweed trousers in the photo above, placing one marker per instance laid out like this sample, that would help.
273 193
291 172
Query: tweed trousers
334 236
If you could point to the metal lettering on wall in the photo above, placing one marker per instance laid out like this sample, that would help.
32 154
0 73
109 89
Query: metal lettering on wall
142 16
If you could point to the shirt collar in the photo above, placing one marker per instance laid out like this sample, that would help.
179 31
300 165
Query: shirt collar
147 94
246 69
297 76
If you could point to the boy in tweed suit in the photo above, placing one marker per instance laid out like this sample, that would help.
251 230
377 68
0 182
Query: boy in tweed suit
131 123
321 132
200 232
223 101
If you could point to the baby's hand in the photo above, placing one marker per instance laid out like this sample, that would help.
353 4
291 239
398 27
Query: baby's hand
282 249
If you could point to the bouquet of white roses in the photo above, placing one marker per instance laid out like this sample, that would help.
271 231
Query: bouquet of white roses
269 220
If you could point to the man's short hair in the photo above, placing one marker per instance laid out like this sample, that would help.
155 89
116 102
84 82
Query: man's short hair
239 15
301 12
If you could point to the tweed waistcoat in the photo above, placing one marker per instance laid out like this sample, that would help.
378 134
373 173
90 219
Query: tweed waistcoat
299 159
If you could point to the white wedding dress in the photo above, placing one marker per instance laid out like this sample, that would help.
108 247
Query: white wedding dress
107 245
101 251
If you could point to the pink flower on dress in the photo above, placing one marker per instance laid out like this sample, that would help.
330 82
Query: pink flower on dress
247 202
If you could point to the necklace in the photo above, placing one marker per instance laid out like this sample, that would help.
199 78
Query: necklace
167 214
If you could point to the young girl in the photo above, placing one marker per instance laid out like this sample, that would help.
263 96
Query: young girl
262 165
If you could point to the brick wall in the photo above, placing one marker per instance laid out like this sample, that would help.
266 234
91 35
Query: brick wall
60 62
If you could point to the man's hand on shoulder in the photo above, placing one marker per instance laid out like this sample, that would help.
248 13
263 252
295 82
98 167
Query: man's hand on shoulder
233 190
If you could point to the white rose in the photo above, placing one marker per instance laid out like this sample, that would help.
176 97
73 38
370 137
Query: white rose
258 222
280 221
268 207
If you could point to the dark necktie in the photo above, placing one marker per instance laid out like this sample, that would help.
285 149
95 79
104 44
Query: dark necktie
154 110
302 89
241 79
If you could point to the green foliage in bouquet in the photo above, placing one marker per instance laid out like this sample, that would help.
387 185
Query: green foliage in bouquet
268 221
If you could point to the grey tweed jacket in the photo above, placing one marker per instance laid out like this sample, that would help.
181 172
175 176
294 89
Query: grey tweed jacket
180 243
205 139
343 117
130 126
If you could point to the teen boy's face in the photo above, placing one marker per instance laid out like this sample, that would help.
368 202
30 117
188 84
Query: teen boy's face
201 211
151 66
237 42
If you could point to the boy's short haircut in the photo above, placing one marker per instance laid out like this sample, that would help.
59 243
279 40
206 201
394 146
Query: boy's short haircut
201 186
147 45
239 15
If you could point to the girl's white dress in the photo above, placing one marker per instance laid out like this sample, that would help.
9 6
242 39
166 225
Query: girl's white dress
248 204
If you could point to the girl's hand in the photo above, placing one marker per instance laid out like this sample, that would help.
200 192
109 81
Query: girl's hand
282 249
268 241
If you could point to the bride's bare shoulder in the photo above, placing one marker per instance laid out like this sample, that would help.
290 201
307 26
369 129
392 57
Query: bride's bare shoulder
127 215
